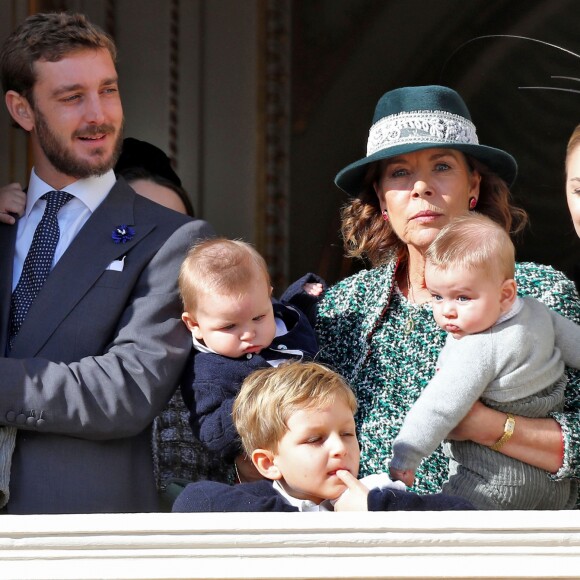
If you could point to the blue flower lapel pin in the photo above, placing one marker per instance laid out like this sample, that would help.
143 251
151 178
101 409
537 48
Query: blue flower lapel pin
123 234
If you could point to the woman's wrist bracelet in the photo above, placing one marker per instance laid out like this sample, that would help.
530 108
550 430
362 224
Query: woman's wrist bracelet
508 431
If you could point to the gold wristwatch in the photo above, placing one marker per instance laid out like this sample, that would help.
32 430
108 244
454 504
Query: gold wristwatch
508 431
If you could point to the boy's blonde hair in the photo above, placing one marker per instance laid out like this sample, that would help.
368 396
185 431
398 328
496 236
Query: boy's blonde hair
268 397
473 242
219 266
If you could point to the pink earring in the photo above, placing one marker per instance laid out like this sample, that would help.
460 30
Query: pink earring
385 215
472 202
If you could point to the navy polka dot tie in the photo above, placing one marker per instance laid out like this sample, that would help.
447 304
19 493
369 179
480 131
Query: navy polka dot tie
38 261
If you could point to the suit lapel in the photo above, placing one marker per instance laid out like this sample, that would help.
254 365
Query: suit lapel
7 245
88 256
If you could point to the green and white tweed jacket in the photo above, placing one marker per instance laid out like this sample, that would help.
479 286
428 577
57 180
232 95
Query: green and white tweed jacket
387 347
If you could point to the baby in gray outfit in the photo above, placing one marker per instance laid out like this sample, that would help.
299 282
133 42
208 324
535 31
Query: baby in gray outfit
510 352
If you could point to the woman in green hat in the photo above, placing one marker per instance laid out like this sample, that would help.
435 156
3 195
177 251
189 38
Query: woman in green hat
424 166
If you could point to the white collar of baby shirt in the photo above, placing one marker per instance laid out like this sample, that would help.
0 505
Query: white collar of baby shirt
200 346
281 330
515 309
303 505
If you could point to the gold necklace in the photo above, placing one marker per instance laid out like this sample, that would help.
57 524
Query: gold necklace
410 324
409 287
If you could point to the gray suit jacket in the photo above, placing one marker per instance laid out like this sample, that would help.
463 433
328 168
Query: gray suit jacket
97 358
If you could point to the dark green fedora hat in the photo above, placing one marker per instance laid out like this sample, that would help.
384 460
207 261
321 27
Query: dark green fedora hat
414 118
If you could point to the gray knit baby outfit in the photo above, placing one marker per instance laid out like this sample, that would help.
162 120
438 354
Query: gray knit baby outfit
517 366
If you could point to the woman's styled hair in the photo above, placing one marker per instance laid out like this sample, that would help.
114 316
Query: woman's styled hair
49 37
221 266
473 242
268 397
367 236
140 173
573 142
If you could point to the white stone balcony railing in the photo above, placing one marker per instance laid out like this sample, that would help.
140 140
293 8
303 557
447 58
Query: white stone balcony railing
278 545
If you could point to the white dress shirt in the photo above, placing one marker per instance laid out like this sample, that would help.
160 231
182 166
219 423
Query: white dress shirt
303 505
88 195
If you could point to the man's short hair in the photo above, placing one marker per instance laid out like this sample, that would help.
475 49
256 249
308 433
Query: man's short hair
47 37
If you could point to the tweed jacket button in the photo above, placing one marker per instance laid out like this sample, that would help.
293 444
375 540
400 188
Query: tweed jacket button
249 355
20 419
11 416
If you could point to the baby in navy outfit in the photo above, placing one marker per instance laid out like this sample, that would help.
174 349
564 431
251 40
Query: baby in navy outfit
237 328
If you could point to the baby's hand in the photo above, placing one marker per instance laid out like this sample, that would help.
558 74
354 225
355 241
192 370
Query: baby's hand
381 480
404 475
12 201
313 288
355 498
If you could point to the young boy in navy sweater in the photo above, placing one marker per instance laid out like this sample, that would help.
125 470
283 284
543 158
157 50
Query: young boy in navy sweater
296 423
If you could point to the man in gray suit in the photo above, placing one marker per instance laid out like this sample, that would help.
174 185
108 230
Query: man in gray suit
102 346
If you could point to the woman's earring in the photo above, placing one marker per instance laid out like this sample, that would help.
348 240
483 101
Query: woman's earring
472 202
385 215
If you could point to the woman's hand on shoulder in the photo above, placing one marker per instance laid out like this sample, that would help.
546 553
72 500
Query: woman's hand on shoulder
313 288
12 203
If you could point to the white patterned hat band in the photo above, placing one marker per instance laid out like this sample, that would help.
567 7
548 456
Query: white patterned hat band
410 119
421 126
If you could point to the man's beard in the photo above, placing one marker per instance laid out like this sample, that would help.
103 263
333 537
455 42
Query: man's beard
64 160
